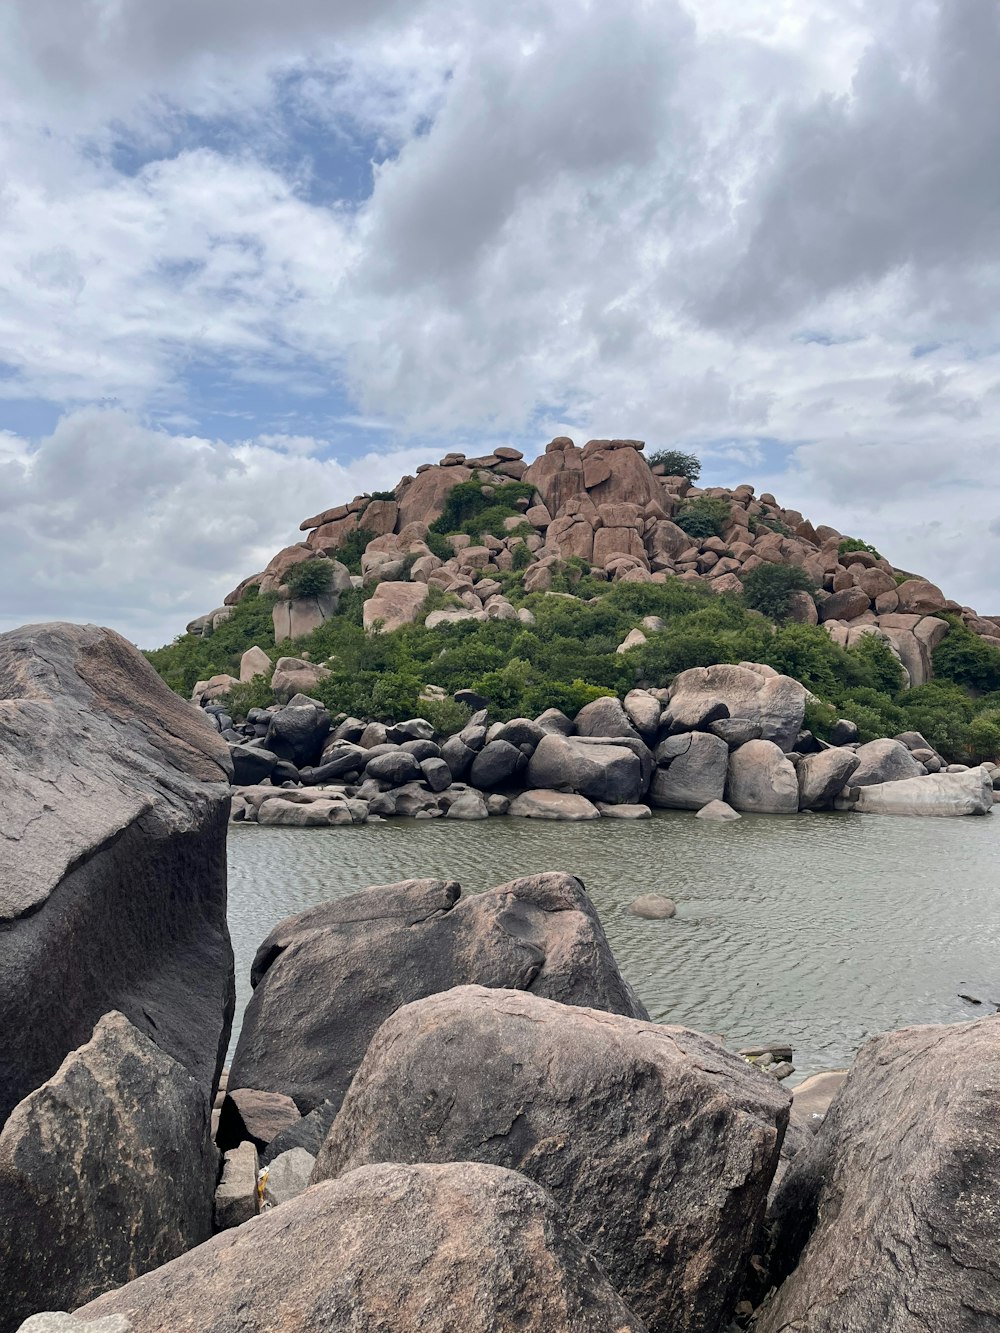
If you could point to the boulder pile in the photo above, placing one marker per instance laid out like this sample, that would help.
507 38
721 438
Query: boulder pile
726 740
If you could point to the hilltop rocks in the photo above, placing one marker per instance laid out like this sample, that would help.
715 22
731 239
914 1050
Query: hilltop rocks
324 980
776 702
113 876
439 1248
892 1198
918 597
106 1171
658 1144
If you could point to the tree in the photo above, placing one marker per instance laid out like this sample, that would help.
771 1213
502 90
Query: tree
676 464
310 578
768 588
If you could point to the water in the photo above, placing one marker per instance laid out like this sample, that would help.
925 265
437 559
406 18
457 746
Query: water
820 930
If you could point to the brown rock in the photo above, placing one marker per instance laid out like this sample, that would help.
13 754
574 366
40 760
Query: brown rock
657 1143
557 476
920 597
330 537
423 501
248 1113
435 1248
571 535
846 605
875 582
379 517
609 542
394 604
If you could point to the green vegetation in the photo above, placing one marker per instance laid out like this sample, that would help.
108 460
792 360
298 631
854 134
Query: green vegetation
189 659
706 516
309 578
383 495
468 510
352 548
967 659
769 588
676 463
856 544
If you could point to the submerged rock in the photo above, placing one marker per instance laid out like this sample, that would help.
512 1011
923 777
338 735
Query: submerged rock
324 980
657 1142
436 1248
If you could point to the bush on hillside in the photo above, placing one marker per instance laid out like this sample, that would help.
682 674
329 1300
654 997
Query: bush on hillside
768 588
982 737
256 693
856 544
352 548
191 658
309 578
465 503
676 463
967 659
446 716
705 516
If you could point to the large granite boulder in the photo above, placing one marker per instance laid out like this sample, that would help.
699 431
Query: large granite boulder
658 1143
691 771
884 761
603 772
423 499
937 794
297 732
762 781
435 1248
885 1221
115 800
778 703
106 1171
326 979
821 776
604 717
394 604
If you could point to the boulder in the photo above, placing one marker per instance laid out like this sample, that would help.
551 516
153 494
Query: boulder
236 1198
918 597
259 1117
496 764
288 1176
718 812
691 771
60 1322
653 907
469 805
604 717
114 815
552 720
821 776
254 662
847 604
624 811
395 767
762 781
423 500
937 794
324 980
251 764
295 617
308 1133
604 772
458 756
541 804
884 761
643 711
297 733
522 732
658 1144
293 675
393 605
106 1171
736 731
435 1248
892 1197
812 1098
777 702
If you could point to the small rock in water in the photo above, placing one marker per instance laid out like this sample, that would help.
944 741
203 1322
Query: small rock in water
781 1069
719 812
970 999
653 907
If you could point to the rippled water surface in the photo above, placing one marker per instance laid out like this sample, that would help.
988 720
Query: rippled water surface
820 930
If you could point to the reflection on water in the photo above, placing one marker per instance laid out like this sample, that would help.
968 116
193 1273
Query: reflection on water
820 930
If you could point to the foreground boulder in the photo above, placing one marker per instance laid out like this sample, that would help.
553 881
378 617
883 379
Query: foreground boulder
899 1190
434 1248
658 1143
106 1172
113 875
326 979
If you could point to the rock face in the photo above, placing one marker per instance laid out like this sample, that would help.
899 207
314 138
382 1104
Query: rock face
822 775
691 771
607 772
435 1248
884 761
394 605
657 1142
777 702
324 980
938 794
115 797
106 1171
899 1185
762 781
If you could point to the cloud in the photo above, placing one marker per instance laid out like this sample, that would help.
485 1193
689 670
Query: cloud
107 520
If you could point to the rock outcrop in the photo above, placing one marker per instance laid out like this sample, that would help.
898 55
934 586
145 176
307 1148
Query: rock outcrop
890 1206
326 979
115 796
658 1143
937 794
435 1248
106 1171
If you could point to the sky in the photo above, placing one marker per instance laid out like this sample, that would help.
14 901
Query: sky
256 258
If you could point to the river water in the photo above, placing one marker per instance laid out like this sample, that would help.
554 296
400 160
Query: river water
820 930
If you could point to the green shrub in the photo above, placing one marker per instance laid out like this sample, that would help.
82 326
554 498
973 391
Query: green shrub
309 578
522 556
466 502
445 715
493 521
190 659
568 698
256 693
982 738
439 546
676 463
856 544
769 587
706 516
967 659
352 548
383 495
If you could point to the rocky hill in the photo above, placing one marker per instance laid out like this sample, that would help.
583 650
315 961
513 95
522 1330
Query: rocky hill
480 539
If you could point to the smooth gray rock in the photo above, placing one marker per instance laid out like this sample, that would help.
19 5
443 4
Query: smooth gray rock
658 1143
761 781
114 804
736 731
821 776
691 771
436 1248
106 1171
436 774
884 761
778 703
604 717
458 756
653 907
287 1176
885 1218
643 711
297 733
937 795
470 805
396 768
558 805
522 732
251 764
59 1322
496 764
718 812
603 771
552 720
324 980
